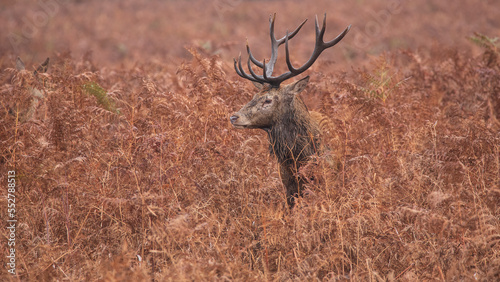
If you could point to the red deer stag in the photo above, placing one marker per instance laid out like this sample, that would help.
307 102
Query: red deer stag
293 134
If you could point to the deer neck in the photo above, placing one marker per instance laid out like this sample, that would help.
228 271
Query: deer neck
294 137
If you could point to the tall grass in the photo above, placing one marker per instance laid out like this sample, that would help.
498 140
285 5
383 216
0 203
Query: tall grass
133 174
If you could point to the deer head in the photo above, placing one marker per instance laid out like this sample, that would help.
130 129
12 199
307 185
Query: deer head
264 110
268 105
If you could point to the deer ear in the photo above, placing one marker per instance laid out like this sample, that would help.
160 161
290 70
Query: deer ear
262 86
298 86
258 85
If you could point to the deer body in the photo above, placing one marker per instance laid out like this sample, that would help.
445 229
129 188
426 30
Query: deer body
293 133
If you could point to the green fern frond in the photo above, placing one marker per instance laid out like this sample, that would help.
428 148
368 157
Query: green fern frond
484 41
94 89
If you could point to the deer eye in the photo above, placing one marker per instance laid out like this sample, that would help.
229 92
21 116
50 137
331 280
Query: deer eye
267 101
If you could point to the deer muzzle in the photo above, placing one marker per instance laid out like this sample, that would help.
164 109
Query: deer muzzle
234 118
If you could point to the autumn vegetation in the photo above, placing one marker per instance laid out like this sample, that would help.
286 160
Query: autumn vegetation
128 168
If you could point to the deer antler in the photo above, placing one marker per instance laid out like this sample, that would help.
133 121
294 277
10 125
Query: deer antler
267 69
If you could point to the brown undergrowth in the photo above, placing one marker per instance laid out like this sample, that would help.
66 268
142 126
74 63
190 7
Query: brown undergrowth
137 174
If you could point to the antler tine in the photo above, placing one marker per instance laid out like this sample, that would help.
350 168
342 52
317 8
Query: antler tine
252 58
264 71
292 34
256 77
319 47
241 72
337 39
274 47
275 43
236 68
320 33
287 59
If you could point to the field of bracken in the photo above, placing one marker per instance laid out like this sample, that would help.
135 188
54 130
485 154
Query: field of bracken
127 167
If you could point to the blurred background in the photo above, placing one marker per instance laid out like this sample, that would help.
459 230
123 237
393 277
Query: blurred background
126 31
129 167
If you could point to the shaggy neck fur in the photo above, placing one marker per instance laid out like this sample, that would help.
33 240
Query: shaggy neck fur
294 137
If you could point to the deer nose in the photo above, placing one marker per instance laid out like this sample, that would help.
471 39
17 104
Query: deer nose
233 118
